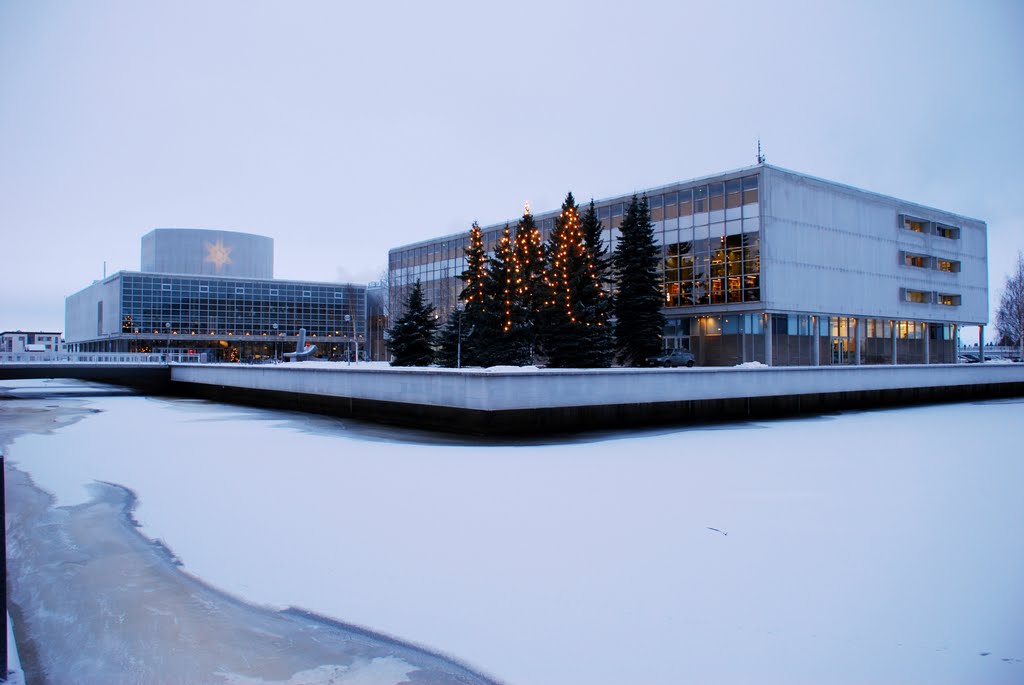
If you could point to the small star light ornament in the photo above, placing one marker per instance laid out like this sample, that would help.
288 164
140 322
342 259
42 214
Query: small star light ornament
218 254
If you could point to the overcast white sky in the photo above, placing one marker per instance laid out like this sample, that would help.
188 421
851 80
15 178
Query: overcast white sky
341 131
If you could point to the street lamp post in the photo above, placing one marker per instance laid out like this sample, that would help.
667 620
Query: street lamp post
348 317
168 327
458 348
277 339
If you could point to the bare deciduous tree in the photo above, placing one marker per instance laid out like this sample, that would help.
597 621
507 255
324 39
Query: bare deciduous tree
1010 316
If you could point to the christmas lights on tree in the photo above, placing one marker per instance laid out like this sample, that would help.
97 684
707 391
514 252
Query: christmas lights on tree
576 332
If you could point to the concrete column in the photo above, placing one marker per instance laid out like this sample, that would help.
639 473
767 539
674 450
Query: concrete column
981 343
768 339
744 318
817 340
892 326
858 338
927 343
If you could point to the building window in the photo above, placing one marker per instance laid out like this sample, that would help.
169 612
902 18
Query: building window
916 260
165 287
948 232
917 296
949 300
914 224
948 265
749 190
239 291
204 288
307 293
273 291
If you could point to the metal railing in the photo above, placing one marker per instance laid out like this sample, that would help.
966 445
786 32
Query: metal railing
992 351
101 358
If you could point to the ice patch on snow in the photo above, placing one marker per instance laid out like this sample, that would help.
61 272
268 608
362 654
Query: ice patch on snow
379 671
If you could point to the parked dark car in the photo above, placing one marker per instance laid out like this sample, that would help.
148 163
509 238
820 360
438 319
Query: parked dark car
968 358
674 358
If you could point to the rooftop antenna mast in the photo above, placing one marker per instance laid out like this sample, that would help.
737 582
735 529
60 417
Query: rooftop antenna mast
760 157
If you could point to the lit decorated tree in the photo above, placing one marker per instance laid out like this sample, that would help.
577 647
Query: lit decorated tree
505 341
531 291
475 275
474 321
577 333
593 235
640 324
412 336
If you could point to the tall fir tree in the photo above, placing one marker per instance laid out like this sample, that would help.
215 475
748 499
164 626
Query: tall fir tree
477 323
412 336
639 325
601 339
576 327
448 351
505 321
529 264
593 235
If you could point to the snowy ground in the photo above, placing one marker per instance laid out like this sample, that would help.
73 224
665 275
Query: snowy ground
879 547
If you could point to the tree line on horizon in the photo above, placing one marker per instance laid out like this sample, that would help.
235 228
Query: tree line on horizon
531 302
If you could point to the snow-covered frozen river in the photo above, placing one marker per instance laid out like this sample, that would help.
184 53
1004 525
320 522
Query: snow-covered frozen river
873 547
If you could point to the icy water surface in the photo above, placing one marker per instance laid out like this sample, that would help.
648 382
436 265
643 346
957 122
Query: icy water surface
881 547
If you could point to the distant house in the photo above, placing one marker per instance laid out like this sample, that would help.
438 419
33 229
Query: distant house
31 341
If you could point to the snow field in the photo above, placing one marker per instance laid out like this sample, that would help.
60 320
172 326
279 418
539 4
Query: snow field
881 547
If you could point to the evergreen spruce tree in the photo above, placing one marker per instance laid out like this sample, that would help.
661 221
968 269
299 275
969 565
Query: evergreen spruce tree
640 324
504 342
477 328
593 235
446 342
602 343
576 328
412 336
529 262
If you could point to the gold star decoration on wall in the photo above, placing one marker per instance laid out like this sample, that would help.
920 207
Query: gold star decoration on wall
218 254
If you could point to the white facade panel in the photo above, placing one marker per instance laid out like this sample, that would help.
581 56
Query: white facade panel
94 312
832 249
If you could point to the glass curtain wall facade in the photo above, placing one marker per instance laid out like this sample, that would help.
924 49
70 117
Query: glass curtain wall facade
234 319
709 235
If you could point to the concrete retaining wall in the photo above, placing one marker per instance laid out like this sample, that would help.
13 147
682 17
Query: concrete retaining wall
515 402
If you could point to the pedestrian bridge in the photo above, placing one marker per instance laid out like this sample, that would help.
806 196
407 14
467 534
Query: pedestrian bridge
149 372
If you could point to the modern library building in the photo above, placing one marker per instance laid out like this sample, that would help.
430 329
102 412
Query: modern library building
768 265
213 293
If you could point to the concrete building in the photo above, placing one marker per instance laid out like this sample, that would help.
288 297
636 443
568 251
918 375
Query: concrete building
219 298
15 342
769 265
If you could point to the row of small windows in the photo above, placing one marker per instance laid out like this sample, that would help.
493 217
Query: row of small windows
706 203
133 286
273 292
804 326
922 261
929 297
916 225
